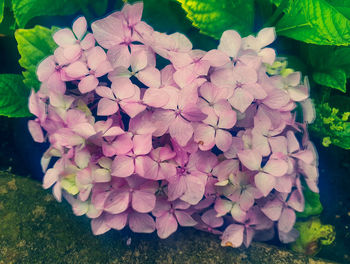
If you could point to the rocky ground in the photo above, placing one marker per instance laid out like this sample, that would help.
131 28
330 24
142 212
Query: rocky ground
34 228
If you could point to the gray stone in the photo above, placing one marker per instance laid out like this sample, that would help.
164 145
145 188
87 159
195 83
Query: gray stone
34 228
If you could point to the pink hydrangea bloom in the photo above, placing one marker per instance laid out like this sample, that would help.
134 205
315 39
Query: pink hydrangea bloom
209 141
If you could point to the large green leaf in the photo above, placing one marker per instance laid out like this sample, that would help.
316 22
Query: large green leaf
213 17
13 96
34 45
317 22
335 78
343 6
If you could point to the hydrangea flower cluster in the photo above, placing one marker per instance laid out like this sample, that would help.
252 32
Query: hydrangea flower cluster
209 141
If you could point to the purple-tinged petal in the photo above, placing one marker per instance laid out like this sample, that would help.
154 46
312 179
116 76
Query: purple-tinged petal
223 139
265 182
241 99
184 218
116 221
150 76
166 225
143 202
273 209
210 218
122 166
155 97
287 220
232 236
141 223
250 159
99 226
36 131
117 202
276 167
105 31
76 69
88 84
181 130
107 107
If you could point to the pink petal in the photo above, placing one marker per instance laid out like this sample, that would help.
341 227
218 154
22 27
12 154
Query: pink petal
138 60
105 31
72 52
88 42
293 144
287 220
250 159
273 209
194 190
276 99
205 136
142 144
119 56
166 225
116 221
232 236
103 68
76 69
238 214
222 206
149 76
176 189
216 58
181 131
146 167
117 202
123 144
122 166
123 88
143 202
241 99
107 107
133 13
246 200
223 140
51 176
95 57
184 218
192 113
46 68
99 226
64 37
276 167
210 218
230 43
106 92
141 223
88 84
266 36
304 155
155 97
265 182
80 27
36 131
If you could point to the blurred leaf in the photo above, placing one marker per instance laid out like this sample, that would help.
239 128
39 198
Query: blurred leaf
13 96
99 7
315 21
312 236
2 6
24 10
213 17
168 16
313 204
335 78
8 24
332 122
34 45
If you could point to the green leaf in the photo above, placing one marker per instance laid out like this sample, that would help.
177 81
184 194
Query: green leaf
316 22
34 45
335 79
313 205
213 17
343 6
25 10
8 24
2 7
13 96
99 7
